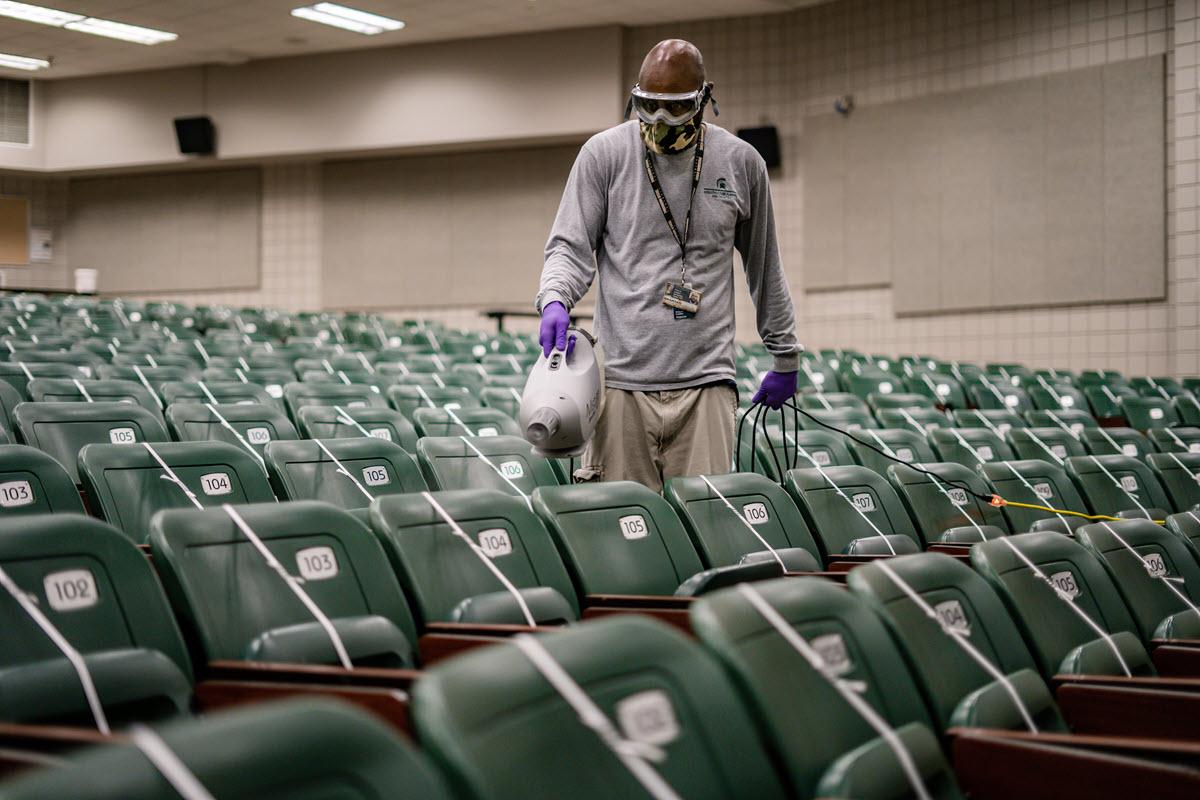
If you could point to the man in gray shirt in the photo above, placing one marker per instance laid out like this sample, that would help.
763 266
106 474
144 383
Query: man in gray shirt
657 206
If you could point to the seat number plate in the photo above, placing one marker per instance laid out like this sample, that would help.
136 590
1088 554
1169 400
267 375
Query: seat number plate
756 513
863 501
648 717
495 542
376 476
15 494
1065 582
317 563
216 483
634 527
952 616
122 436
258 435
70 590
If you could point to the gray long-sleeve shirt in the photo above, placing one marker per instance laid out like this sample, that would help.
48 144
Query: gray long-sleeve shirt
609 221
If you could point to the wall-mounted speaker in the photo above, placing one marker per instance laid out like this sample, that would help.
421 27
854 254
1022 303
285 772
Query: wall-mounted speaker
196 135
765 140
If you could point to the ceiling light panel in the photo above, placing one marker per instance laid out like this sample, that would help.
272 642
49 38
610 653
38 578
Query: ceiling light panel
31 13
350 19
120 30
22 62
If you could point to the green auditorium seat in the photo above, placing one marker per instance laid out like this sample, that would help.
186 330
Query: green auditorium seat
999 421
32 482
909 400
944 389
124 359
817 377
516 381
298 395
1176 440
19 374
10 398
1186 525
914 419
1048 396
619 538
1036 482
960 691
849 509
272 380
407 399
1186 408
1177 472
445 578
824 447
1163 387
831 400
86 362
722 540
490 719
98 590
62 429
902 443
302 749
1053 444
1105 401
506 463
338 422
870 382
1116 442
469 422
945 512
126 485
155 376
254 425
238 607
825 747
218 393
503 398
306 470
849 419
1062 639
1145 413
1115 484
990 396
61 390
1073 420
1156 571
969 446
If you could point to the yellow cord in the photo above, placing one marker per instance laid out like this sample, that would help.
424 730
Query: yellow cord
999 501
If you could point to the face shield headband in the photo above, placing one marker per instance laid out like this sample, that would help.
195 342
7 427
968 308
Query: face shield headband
672 108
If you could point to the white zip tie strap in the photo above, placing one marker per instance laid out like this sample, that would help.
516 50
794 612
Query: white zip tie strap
344 377
1112 441
956 506
516 365
142 377
72 655
1178 441
242 439
168 764
1167 580
25 369
745 522
516 395
458 421
842 495
438 362
1070 601
486 460
843 687
634 756
342 469
883 444
204 388
457 530
1057 421
1117 483
169 475
968 446
424 395
912 421
959 638
203 352
366 364
1183 467
1057 397
241 375
1038 441
82 391
344 417
150 360
1037 498
301 595
438 380
245 364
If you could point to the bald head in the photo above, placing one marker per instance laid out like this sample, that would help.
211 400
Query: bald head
672 66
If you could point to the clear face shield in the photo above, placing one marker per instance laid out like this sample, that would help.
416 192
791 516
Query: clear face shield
672 108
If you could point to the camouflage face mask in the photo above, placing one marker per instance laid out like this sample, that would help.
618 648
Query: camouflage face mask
663 138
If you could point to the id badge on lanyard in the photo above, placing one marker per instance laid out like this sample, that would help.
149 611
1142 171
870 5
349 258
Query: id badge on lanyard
680 296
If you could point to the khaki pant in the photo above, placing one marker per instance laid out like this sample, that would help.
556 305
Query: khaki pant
649 437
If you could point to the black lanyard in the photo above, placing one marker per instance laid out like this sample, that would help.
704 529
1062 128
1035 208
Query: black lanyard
665 207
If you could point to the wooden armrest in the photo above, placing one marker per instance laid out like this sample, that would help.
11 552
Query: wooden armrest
1137 746
1116 710
1177 659
28 746
1162 684
444 639
836 577
389 705
473 629
266 671
638 601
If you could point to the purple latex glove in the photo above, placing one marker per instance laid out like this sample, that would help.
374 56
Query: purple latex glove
553 333
776 389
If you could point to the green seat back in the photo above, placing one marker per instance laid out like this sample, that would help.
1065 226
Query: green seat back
1187 409
1095 476
870 382
18 374
155 376
1116 442
831 400
63 390
982 446
439 571
348 396
1074 419
810 725
327 422
718 536
32 482
474 422
944 389
1158 386
824 447
950 678
62 429
1044 484
904 444
1049 444
910 400
1177 472
300 749
491 720
1145 413
502 398
998 420
1176 440
258 425
9 399
847 419
125 485
272 380
1105 400
448 462
913 419
830 516
301 470
1159 554
937 507
617 538
237 607
99 591
224 392
408 398
1052 629
991 395
1186 525
1057 396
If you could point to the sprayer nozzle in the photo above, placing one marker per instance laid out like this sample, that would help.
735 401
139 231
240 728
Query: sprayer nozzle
543 424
